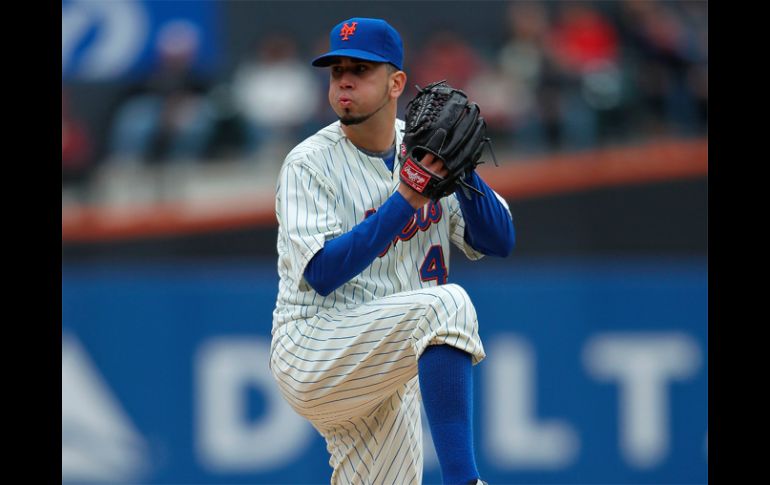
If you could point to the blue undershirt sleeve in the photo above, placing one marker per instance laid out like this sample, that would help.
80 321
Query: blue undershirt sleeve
347 255
488 225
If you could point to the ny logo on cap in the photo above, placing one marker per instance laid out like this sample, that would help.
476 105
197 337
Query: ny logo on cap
348 30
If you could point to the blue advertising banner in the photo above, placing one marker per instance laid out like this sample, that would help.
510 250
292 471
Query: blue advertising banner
596 372
122 39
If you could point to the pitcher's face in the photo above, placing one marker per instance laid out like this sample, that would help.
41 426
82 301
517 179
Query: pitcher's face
358 89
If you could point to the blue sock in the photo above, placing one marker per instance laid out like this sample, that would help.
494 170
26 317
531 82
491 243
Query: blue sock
446 385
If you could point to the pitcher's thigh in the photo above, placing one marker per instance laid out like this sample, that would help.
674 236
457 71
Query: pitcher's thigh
344 363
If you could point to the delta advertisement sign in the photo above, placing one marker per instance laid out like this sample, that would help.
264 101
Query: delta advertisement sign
595 372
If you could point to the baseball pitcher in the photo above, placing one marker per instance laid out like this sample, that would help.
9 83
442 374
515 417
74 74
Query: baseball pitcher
366 324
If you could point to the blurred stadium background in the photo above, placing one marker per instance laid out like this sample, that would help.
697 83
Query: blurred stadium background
175 119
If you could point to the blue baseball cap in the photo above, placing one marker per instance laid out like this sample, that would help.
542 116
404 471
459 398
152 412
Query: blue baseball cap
362 38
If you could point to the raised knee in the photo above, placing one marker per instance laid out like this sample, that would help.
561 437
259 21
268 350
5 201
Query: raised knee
454 294
451 319
452 301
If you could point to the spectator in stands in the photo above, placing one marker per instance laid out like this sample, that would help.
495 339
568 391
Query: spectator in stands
582 38
498 96
169 116
76 147
444 56
667 51
695 18
277 94
583 46
522 62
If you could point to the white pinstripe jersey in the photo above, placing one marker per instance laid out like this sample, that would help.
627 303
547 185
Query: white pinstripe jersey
327 186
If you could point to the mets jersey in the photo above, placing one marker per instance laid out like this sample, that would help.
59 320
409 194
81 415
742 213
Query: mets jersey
348 361
326 186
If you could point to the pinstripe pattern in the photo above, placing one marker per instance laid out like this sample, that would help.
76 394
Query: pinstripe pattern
348 361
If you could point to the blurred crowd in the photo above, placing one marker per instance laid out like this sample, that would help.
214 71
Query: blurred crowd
567 76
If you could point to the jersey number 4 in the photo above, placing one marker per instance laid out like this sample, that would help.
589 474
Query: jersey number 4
433 268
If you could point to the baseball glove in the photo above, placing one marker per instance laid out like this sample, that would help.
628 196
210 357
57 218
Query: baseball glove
440 120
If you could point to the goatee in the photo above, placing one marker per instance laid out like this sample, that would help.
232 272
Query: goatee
354 120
